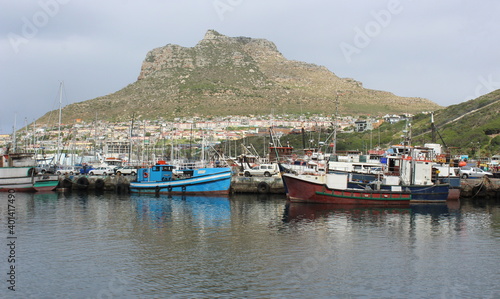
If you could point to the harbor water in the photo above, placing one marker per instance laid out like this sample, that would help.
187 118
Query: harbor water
86 245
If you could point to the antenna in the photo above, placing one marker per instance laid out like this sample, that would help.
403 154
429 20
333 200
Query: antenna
433 129
336 122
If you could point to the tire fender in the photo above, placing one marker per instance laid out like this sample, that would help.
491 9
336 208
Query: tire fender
263 188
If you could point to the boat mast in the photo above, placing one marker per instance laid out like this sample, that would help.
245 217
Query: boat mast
143 141
163 154
26 139
59 126
14 143
433 128
34 136
203 149
130 139
95 134
190 143
336 124
172 145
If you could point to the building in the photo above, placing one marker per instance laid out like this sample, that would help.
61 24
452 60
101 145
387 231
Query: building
363 125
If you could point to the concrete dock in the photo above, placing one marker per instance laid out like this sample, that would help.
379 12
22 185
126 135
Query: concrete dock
262 185
480 188
116 183
121 184
470 188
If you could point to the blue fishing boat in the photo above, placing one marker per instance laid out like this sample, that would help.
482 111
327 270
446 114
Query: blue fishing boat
166 179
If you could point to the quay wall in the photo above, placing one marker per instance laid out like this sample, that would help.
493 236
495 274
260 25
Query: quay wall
470 188
262 185
480 188
121 184
117 183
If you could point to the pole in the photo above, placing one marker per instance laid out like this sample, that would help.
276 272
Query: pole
336 124
59 127
433 128
172 147
14 143
143 141
130 139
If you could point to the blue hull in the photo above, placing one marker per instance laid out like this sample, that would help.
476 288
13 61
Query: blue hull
204 181
435 193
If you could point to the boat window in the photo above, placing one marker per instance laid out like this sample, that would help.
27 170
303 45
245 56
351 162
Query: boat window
393 166
188 173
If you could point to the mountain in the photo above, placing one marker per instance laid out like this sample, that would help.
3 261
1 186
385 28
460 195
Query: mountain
224 75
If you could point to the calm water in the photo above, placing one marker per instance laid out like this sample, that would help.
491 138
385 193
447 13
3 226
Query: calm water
121 246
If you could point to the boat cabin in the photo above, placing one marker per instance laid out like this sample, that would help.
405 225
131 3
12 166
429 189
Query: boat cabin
17 160
164 172
409 170
280 153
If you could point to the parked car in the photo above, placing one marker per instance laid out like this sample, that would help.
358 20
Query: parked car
126 170
86 169
467 171
45 168
266 170
66 170
102 171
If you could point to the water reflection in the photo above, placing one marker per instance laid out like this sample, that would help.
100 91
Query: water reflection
436 209
304 211
251 246
46 196
301 211
162 209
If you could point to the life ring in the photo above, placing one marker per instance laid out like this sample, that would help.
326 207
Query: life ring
145 175
263 188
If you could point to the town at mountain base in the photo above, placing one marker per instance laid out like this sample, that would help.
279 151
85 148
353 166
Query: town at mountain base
224 75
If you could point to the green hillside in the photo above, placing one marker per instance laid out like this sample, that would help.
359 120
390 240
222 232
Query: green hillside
472 128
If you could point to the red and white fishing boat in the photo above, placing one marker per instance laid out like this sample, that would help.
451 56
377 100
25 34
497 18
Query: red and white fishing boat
332 188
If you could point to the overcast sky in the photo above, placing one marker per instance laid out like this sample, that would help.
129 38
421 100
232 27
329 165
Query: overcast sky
446 51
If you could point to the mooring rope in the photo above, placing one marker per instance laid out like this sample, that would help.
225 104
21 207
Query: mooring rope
482 184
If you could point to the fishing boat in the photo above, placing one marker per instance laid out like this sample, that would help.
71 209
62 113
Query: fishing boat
17 173
332 188
18 179
45 182
412 169
166 179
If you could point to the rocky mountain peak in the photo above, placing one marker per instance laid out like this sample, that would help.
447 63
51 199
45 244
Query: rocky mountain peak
214 48
212 34
225 75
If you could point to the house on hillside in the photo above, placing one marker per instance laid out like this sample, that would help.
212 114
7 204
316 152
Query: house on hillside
392 119
363 125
